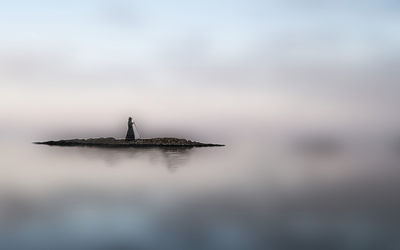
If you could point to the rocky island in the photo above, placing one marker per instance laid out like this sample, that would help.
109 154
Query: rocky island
132 139
112 142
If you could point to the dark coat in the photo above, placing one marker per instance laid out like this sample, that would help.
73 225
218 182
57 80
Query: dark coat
130 135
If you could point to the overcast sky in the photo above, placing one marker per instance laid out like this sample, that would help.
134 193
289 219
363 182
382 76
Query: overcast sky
265 61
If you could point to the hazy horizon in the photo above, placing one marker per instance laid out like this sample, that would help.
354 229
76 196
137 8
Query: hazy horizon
304 94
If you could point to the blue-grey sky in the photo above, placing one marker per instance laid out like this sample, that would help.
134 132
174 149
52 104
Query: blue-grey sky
317 61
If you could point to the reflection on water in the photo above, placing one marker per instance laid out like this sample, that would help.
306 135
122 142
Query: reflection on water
244 196
172 157
175 157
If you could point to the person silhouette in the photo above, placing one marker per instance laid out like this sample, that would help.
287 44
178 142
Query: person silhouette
130 134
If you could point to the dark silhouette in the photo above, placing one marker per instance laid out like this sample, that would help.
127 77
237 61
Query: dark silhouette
130 135
131 140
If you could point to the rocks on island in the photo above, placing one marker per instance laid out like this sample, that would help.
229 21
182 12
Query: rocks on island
112 142
131 140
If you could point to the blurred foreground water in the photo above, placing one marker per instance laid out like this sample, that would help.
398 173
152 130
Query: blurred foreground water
270 193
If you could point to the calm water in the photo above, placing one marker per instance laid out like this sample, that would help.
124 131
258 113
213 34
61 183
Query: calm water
265 193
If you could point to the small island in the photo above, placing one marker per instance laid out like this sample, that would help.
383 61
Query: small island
132 139
140 143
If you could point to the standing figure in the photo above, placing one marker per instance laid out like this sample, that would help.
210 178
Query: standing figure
130 135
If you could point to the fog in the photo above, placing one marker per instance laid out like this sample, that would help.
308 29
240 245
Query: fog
304 95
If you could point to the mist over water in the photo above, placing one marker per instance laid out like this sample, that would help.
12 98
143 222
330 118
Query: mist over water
278 192
304 94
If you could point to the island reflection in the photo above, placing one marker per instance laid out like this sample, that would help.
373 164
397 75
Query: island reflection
171 157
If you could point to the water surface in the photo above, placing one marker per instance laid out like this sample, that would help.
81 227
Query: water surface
265 193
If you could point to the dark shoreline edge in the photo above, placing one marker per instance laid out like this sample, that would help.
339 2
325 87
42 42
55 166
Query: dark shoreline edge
138 143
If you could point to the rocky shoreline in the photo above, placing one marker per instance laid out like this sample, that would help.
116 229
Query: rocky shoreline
112 142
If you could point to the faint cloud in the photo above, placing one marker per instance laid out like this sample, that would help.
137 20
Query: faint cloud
120 13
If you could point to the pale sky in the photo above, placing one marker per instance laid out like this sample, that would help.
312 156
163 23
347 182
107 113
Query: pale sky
308 62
